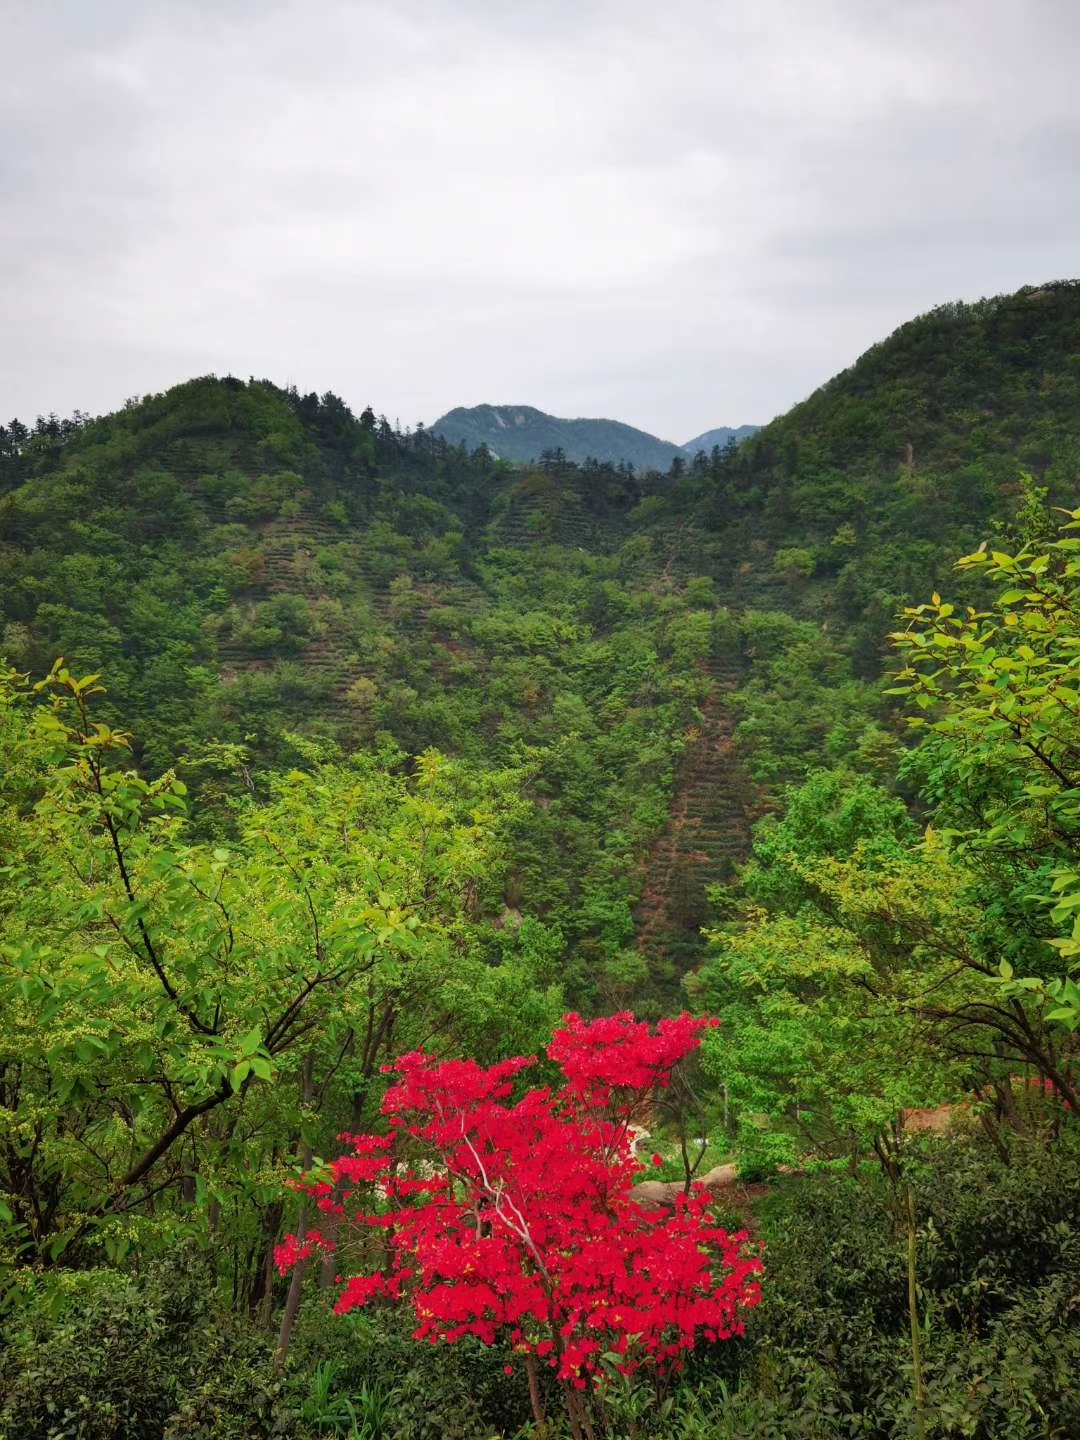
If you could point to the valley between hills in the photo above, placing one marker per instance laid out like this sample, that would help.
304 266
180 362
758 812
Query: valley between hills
368 741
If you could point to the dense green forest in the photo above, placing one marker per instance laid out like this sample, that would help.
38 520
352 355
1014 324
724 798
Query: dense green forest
364 742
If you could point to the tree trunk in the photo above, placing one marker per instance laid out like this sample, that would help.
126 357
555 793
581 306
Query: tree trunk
330 1229
580 1424
534 1396
292 1301
262 1286
918 1390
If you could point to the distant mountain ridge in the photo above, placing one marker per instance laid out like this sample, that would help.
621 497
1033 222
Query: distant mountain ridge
523 433
721 437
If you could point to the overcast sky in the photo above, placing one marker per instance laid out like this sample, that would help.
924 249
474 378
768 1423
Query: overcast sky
677 213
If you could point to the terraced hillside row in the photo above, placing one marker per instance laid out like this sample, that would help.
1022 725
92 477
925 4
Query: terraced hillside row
707 833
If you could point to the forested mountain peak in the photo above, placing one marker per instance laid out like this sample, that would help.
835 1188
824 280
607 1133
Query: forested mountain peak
909 454
961 367
523 433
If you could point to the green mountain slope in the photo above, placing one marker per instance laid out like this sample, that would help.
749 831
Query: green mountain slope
854 500
290 604
262 571
252 568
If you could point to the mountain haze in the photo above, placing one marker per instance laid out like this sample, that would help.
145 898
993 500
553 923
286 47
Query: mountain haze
522 433
721 437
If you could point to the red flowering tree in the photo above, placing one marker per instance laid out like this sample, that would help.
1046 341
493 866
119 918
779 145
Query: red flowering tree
514 1219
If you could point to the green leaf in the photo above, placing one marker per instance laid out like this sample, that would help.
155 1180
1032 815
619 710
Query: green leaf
1066 1014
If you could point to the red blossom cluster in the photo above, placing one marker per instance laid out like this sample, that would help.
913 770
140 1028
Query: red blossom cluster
1050 1089
524 1227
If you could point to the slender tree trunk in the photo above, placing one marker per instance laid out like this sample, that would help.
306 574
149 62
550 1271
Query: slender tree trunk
889 1151
292 1301
217 1140
580 1424
992 1131
235 1248
330 1229
534 1395
262 1287
571 1410
918 1389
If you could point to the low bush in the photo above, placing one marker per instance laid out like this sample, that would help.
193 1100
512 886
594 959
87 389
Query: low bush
827 1353
104 1355
90 1355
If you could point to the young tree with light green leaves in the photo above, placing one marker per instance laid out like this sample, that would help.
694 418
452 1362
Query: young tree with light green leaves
998 695
180 1021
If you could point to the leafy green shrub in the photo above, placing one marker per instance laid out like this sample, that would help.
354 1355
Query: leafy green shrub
999 1280
794 563
761 1150
97 1354
458 1392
